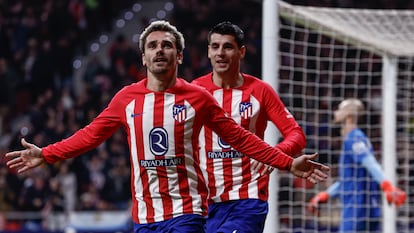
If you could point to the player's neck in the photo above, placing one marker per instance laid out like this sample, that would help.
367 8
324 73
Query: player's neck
348 127
160 84
228 81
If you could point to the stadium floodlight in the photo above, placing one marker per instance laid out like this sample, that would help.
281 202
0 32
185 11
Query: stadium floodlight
326 55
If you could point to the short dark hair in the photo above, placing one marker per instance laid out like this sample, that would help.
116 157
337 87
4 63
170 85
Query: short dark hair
228 28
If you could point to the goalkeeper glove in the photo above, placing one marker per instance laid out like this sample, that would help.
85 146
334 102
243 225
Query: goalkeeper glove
393 194
321 197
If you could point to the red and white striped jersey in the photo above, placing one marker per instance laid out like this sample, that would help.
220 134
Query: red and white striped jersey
163 130
228 172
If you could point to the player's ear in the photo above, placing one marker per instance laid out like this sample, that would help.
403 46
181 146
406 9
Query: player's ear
242 51
143 59
180 58
208 52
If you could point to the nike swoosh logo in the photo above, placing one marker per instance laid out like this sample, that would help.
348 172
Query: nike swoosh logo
136 114
235 231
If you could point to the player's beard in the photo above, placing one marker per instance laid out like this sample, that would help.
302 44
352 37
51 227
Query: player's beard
161 69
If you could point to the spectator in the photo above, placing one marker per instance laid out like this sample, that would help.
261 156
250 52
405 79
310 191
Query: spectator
124 60
7 195
117 178
67 181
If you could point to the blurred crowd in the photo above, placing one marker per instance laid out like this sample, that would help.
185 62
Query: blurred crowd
38 41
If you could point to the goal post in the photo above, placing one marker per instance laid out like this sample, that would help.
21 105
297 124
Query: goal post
389 86
269 68
324 56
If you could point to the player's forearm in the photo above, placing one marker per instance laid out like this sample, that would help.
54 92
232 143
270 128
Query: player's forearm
80 142
249 144
71 147
259 150
293 143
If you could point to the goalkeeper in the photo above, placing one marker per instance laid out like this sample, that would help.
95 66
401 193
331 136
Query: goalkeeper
360 176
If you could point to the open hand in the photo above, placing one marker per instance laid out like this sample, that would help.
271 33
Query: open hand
26 159
304 167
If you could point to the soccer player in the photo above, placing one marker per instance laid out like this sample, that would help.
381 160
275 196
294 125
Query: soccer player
238 185
162 116
360 176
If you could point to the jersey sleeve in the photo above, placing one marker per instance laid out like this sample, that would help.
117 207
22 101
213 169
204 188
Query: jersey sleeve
87 138
334 189
243 140
293 136
373 167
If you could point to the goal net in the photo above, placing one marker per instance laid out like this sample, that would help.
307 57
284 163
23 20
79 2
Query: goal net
326 55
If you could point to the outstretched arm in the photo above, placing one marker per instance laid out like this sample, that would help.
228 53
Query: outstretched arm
393 194
322 197
303 167
251 145
26 159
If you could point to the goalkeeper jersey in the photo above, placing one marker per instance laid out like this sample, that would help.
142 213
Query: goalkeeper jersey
228 172
162 130
360 194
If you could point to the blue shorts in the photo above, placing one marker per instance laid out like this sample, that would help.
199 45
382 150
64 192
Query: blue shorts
241 216
188 223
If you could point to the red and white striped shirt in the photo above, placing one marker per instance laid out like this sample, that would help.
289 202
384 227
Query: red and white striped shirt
163 130
228 173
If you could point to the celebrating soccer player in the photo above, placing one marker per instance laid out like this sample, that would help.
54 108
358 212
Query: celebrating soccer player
238 185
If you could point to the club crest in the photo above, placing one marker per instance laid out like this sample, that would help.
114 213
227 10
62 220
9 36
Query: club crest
179 113
245 109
